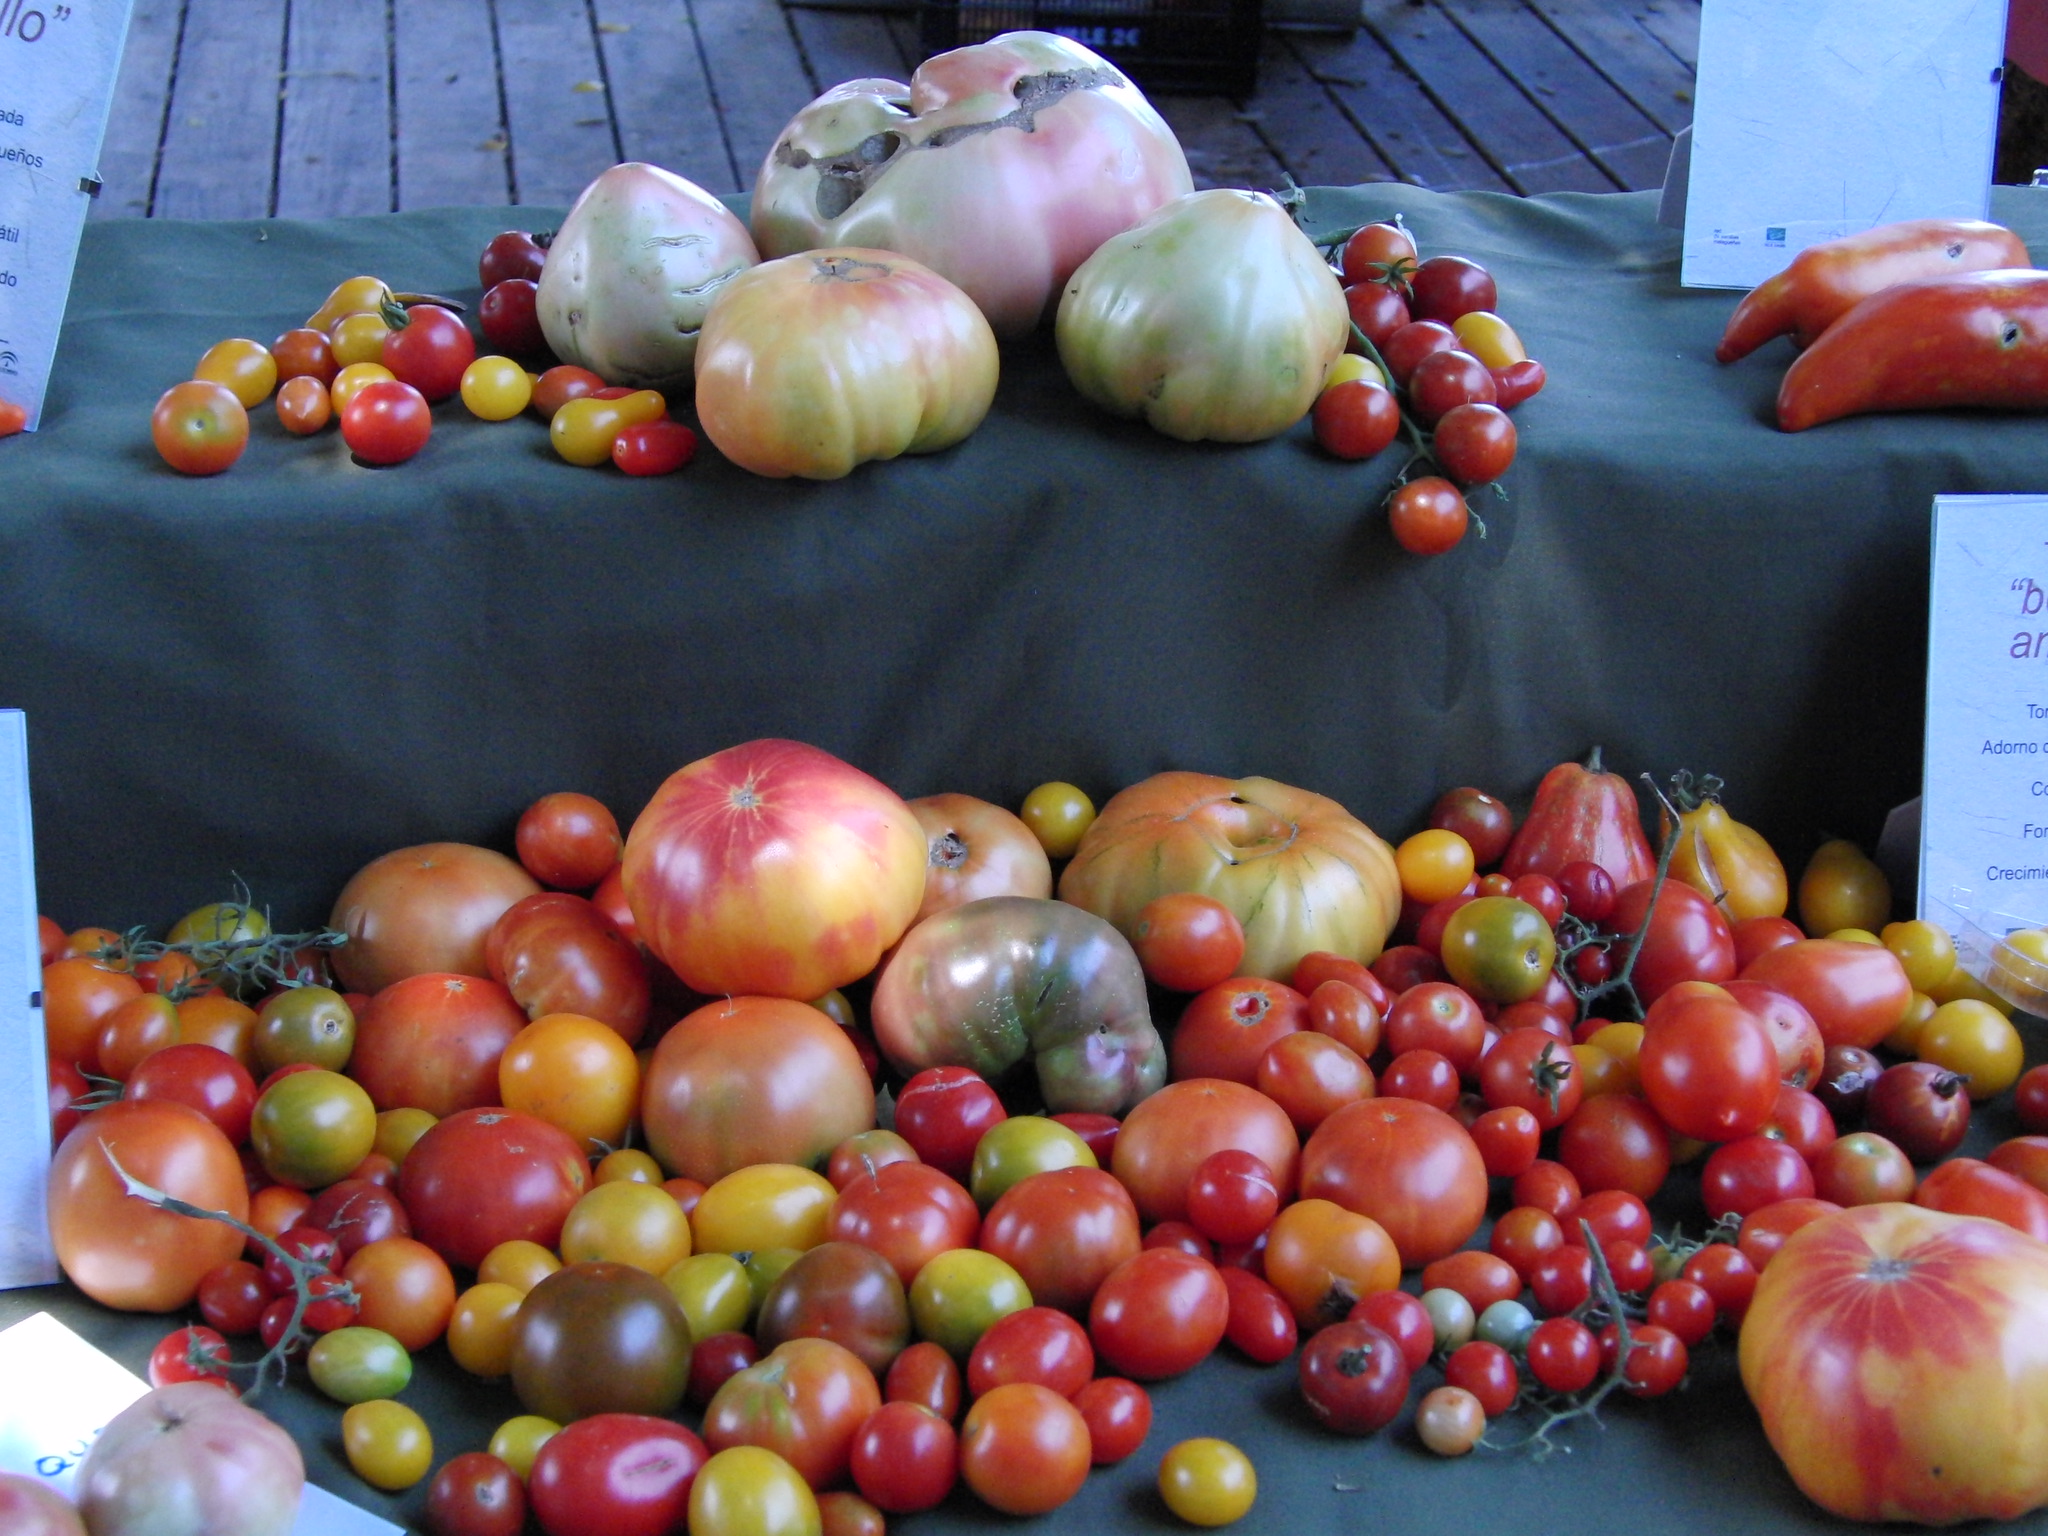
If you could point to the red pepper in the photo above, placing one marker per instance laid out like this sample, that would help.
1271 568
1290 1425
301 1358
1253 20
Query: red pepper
1826 281
1976 338
1582 813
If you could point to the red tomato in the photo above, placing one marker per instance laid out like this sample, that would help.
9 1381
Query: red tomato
1376 310
1856 993
1167 1136
906 1212
1436 1016
1752 1172
1765 1229
190 1354
773 868
1449 286
905 1458
1158 1314
1410 344
1024 1450
1475 443
1549 1186
625 1474
199 427
1382 254
1919 1106
568 841
1563 1355
925 1374
1616 1141
428 908
1444 380
1427 1077
1708 1067
1411 1168
509 318
1188 942
1688 937
653 448
200 1077
717 1359
1225 1031
1528 1069
1863 1168
1523 1234
1036 1344
485 1176
1657 1358
1261 1324
432 1042
1358 418
805 1401
476 1494
1064 1232
429 353
1486 1371
386 422
1402 1317
1311 1075
1319 966
1508 1140
1354 1378
943 1113
1118 1416
1232 1197
1427 515
1482 1278
557 953
1966 1187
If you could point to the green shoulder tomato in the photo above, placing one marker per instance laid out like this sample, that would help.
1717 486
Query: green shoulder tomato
1499 948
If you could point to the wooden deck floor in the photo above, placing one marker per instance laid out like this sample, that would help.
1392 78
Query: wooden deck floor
316 108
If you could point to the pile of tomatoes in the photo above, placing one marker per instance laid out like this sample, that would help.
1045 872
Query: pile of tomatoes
865 1318
1431 357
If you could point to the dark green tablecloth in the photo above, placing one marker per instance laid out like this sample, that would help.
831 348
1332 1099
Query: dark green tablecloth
289 669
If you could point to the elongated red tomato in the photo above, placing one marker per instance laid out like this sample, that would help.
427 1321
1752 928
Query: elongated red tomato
1857 993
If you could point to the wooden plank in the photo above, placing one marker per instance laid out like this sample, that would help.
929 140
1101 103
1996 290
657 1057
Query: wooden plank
557 106
334 153
135 125
1640 67
450 130
1525 146
1674 23
1317 143
219 156
661 94
1223 149
757 72
845 45
1403 125
1598 119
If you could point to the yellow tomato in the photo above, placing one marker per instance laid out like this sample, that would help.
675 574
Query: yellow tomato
1489 338
627 1223
1841 888
1434 865
245 366
713 1291
1624 1043
575 1073
398 1129
358 339
748 1490
1349 368
496 388
519 1439
767 1205
1907 1034
1601 1073
1208 1482
359 295
628 1165
583 430
1924 949
1977 1041
1057 814
1961 983
518 1263
1855 936
353 378
388 1444
480 1329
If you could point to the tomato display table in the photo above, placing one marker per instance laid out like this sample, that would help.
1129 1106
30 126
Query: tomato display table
284 671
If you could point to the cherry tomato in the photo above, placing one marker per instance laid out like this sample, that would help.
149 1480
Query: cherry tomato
925 1374
1550 1186
1024 1449
1425 1076
1208 1482
1339 1009
1187 942
1057 814
943 1112
1037 1344
1862 1168
1381 253
1563 1355
1528 1069
653 448
1158 1314
1411 343
386 422
1475 443
1616 1141
1376 310
304 353
509 320
496 389
1356 419
245 367
199 427
1508 1139
1354 1378
561 384
1233 1196
1486 1371
1261 1324
476 1494
1434 864
1685 1308
1968 1037
1446 287
1437 1016
1311 1076
1920 1107
388 1444
1063 1232
1118 1414
1709 1067
190 1354
905 1458
1725 1273
1447 379
430 351
1428 515
626 1474
512 254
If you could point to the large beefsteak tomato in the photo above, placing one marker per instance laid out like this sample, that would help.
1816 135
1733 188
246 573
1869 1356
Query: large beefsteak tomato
773 868
1899 1360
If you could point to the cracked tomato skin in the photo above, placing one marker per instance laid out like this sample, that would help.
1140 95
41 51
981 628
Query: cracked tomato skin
1001 166
1899 1360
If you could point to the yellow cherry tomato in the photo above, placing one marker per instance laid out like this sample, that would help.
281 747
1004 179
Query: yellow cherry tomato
574 1073
1841 888
769 1205
388 1444
713 1291
1977 1041
353 378
627 1223
1349 368
748 1490
1434 865
359 295
960 1294
519 1439
398 1129
1924 949
1489 338
1856 936
496 388
358 339
519 1263
481 1328
304 406
1208 1481
1601 1073
1961 983
1905 1034
245 366
1057 814
628 1165
583 430
1624 1042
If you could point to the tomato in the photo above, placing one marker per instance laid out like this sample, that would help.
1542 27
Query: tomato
405 1289
627 1223
865 1153
514 253
1751 1172
763 1206
1708 1067
1232 1196
487 1176
1058 815
1357 419
746 1490
905 1458
199 427
615 1474
1037 1344
575 1073
190 1354
1063 1233
1187 942
1616 1141
434 1042
1974 1039
600 1338
1841 888
908 1213
1427 515
1688 938
2024 1157
1657 1358
1168 1135
1410 1167
1563 1355
423 909
1921 1107
1024 1449
1159 1313
841 1292
476 1494
557 953
1379 253
806 1401
387 421
1475 442
1324 1260
245 367
1377 311
961 1293
312 1127
1967 1187
1447 287
1354 1378
1225 1031
1487 1372
511 324
429 352
200 1077
557 386
926 1375
1448 379
1862 1168
1857 993
303 353
1527 1069
753 1080
1437 1016
1208 1482
79 995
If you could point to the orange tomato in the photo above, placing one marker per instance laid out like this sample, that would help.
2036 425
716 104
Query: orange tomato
1323 1259
215 1019
575 1073
1166 1137
405 1288
139 1027
78 995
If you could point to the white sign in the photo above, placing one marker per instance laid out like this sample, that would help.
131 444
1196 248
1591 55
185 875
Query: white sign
58 59
25 1257
1818 119
1984 810
57 1393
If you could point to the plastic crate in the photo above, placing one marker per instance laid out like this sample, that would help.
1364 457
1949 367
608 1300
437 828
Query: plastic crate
1205 46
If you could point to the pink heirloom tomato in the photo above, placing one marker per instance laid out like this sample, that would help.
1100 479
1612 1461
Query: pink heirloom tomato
816 363
1001 166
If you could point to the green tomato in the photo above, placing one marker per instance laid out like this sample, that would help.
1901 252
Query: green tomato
1499 949
1450 1314
714 1291
1012 1150
1506 1323
960 1294
216 921
305 1024
355 1365
312 1128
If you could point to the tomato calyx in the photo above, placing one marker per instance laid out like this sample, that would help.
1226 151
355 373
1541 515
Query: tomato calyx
1549 1073
948 851
393 306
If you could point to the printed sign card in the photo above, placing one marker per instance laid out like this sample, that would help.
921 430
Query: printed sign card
25 1257
1984 811
58 59
1815 120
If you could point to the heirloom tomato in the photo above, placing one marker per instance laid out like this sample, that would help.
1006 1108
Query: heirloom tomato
815 363
428 908
1687 939
600 1338
1857 993
434 1041
1169 1135
615 1474
1728 863
557 953
1582 813
805 1401
487 1176
1896 1356
1410 1167
773 868
976 850
199 427
1024 1449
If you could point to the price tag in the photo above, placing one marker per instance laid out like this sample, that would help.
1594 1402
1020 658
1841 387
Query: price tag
58 60
1984 810
25 1257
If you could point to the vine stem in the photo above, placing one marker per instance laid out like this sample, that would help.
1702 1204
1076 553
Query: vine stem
303 1271
1416 437
1617 1377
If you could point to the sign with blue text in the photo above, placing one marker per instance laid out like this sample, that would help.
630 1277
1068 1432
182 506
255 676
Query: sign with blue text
25 1256
58 59
1984 811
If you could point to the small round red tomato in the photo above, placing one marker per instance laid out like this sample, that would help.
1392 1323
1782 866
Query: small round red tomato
1427 1077
1508 1140
1187 942
559 385
1523 1234
485 1176
1226 1029
2030 1100
1402 1317
1233 1196
1380 253
1024 1449
717 1358
1657 1358
1356 419
1765 1229
1922 1108
1354 1378
1862 1168
429 352
199 427
232 1297
476 1494
386 422
1685 1308
1437 1016
1708 1067
1616 1141
943 1112
1428 515
907 1212
1449 286
1118 1414
1158 1314
509 319
925 1374
1409 345
1261 1324
1563 1355
1725 1273
1486 1371
1447 379
905 1458
1562 1279
1588 890
1037 1344
189 1354
1549 1186
1688 938
1528 1069
1341 1010
1376 310
200 1077
627 1474
1484 822
1475 443
1064 1232
567 840
1751 1172
1482 1278
1311 1076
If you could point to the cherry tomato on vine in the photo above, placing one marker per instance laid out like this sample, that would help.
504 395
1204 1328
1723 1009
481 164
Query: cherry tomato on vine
1446 380
1447 287
190 1354
1405 349
1379 253
1475 443
1377 311
1356 420
1428 515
